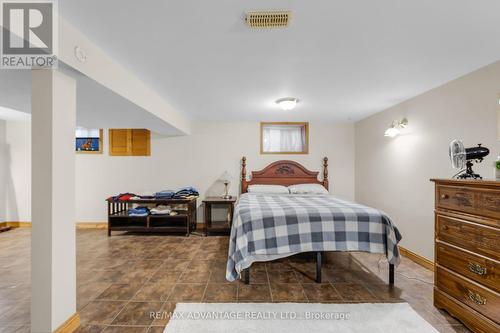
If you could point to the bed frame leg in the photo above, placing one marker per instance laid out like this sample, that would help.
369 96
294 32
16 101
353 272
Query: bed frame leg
318 267
391 274
246 276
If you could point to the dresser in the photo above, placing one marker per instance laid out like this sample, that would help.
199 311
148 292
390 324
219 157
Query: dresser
467 251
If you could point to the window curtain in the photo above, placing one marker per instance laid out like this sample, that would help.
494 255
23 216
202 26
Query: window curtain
82 132
284 138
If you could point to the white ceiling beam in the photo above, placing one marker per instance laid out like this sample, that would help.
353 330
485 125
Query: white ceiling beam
103 69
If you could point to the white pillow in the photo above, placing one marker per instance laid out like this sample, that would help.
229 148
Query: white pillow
307 189
276 189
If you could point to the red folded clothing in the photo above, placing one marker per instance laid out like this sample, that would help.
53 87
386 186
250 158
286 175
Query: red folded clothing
125 197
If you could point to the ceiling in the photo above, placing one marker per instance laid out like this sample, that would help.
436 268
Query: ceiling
11 114
344 59
97 106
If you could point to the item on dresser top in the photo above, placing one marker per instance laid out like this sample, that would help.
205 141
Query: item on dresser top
461 158
165 194
122 197
497 168
186 192
138 211
307 189
161 210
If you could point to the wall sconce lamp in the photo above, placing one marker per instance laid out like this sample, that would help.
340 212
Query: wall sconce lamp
396 127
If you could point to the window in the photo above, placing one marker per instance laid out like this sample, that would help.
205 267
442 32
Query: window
88 140
129 142
284 138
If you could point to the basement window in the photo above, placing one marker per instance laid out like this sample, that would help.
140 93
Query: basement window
284 138
88 140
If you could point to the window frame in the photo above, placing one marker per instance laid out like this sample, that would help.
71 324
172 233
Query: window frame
305 151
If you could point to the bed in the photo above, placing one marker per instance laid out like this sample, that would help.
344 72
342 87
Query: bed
269 226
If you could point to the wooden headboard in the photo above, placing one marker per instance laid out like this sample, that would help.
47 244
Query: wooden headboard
283 173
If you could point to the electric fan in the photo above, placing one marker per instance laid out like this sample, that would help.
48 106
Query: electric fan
461 158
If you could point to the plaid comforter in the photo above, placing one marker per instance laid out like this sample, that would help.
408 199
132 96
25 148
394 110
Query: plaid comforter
270 226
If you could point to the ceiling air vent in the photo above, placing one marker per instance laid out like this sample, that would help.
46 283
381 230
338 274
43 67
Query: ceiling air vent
268 19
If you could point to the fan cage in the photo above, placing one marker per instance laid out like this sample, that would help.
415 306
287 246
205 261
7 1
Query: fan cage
457 154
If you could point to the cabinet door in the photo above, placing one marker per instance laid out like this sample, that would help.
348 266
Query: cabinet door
119 142
140 142
129 142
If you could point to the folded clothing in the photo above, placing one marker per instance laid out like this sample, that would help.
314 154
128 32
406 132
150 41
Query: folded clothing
182 193
122 197
138 211
186 192
166 194
147 195
161 210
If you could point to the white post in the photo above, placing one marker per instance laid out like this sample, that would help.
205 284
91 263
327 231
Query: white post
53 251
3 171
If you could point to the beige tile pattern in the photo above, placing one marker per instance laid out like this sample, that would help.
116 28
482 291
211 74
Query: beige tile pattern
129 282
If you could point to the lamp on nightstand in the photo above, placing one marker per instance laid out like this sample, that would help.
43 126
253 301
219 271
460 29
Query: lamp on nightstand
226 179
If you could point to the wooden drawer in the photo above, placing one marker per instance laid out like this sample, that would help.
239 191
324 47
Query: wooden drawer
472 319
474 237
477 201
481 299
456 198
489 204
480 269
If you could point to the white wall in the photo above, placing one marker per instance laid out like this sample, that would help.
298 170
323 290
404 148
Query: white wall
197 159
393 174
17 155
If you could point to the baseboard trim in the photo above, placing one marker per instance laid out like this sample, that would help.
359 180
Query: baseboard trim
79 225
418 259
4 227
13 224
70 325
92 225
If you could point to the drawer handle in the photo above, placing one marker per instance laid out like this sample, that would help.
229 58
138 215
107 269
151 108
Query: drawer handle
476 298
445 196
477 269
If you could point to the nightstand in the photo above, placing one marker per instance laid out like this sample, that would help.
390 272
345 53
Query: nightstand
219 226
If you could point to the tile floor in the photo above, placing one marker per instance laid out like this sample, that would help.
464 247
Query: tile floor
122 279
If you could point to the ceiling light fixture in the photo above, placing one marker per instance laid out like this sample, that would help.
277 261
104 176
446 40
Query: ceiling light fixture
287 103
396 127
